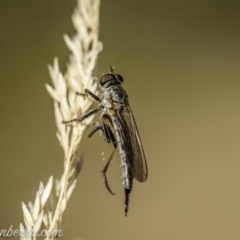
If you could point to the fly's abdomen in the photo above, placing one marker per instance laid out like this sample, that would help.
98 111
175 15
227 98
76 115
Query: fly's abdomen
126 173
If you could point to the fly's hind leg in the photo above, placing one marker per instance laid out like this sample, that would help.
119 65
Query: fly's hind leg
109 137
105 170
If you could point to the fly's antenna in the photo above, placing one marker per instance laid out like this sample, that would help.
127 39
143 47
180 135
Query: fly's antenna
112 68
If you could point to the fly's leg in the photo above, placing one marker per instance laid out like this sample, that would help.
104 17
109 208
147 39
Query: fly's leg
89 93
104 131
79 119
95 130
90 113
105 170
109 138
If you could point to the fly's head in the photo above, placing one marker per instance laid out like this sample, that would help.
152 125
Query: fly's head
111 79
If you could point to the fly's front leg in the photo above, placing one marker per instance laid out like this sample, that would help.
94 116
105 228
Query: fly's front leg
90 113
91 94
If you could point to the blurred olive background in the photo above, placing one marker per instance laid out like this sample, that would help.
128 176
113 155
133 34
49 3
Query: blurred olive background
181 64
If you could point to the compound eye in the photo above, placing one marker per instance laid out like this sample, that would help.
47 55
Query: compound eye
106 78
119 78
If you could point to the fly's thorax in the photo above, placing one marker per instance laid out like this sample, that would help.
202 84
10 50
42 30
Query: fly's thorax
115 97
119 95
106 100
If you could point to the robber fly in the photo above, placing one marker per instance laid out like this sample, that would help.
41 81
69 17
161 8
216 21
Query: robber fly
118 127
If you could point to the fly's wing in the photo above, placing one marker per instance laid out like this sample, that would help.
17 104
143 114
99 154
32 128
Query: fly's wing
131 139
